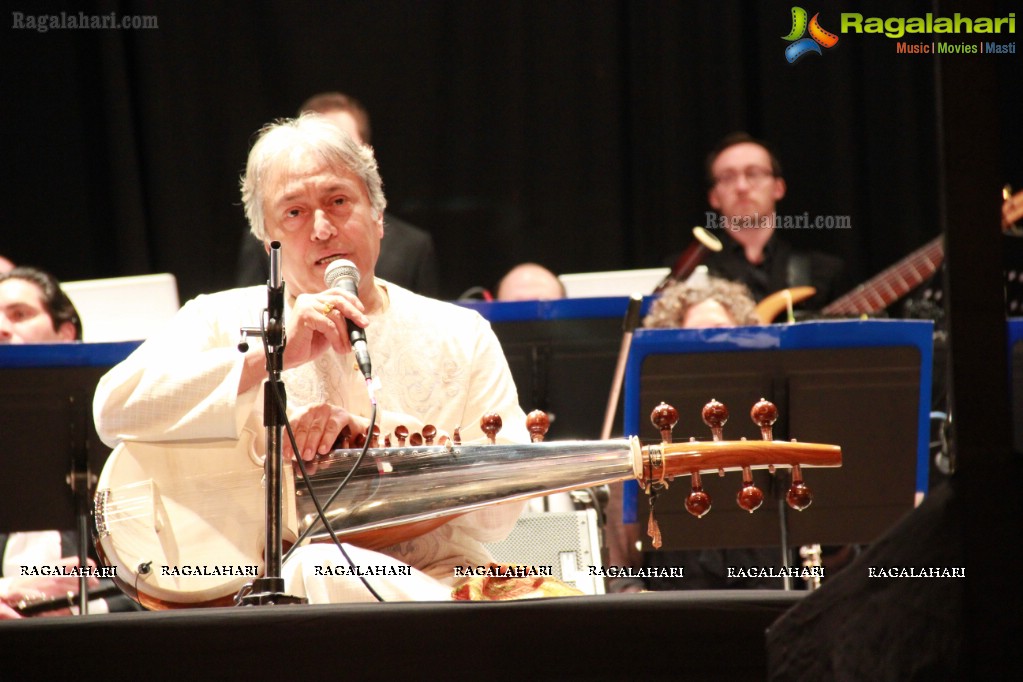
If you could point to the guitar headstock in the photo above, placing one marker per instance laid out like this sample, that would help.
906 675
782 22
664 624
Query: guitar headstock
662 463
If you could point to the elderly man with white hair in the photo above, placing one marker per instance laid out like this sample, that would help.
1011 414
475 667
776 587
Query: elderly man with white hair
318 193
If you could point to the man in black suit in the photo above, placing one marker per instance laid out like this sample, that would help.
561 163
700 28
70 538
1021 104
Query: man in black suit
746 182
407 254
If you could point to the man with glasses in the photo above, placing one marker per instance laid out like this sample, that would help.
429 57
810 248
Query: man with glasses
746 183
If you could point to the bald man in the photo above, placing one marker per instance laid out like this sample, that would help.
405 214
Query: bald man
530 282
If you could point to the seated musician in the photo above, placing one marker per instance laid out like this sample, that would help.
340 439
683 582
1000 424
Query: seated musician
702 302
34 309
745 184
312 188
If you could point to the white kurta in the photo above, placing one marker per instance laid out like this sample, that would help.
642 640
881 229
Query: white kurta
437 364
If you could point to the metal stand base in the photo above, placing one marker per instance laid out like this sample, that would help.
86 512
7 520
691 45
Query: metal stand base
269 591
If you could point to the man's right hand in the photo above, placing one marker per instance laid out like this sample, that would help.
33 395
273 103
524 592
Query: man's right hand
318 322
315 323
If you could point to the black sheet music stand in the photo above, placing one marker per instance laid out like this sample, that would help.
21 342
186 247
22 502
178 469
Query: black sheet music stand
562 355
862 384
49 438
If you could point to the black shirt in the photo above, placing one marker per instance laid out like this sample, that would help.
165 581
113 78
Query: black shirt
782 268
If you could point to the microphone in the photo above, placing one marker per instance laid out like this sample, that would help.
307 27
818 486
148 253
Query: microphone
275 302
343 275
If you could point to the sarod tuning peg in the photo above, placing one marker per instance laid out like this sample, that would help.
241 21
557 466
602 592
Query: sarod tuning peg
697 502
664 417
764 414
750 497
537 422
491 424
798 496
715 415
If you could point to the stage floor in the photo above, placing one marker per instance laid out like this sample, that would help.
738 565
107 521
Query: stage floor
655 635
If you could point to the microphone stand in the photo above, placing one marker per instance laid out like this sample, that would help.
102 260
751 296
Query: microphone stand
269 589
81 481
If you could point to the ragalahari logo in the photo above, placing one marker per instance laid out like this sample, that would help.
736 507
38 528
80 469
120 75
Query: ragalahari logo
801 46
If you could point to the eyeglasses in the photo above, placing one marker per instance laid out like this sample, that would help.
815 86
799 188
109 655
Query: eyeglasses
755 175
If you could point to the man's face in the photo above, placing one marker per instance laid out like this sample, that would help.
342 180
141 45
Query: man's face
320 214
744 183
23 318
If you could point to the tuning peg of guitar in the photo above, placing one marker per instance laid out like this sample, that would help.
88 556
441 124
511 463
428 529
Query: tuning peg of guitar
491 424
764 414
664 417
415 439
537 422
374 440
798 496
456 437
698 502
429 433
715 415
401 433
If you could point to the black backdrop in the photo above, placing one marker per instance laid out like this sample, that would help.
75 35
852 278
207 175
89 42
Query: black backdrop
571 133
